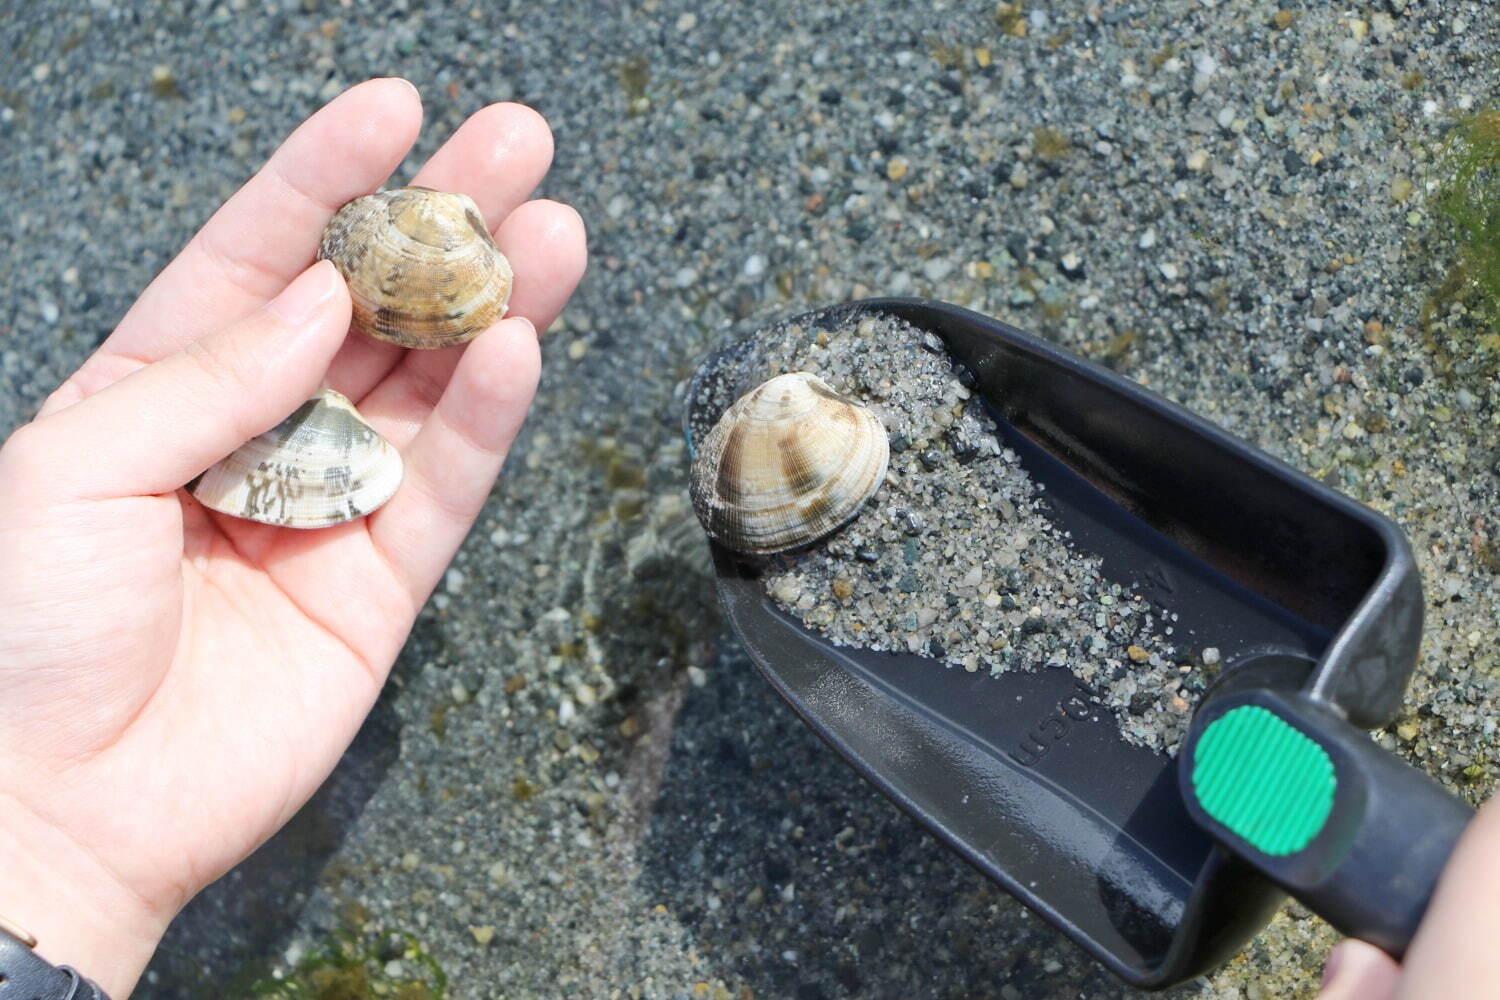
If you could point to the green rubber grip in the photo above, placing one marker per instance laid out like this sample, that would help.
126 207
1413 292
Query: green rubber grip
1264 779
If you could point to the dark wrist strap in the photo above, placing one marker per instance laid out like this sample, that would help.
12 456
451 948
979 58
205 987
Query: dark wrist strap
25 975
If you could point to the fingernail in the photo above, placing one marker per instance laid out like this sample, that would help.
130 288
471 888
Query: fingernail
305 296
530 324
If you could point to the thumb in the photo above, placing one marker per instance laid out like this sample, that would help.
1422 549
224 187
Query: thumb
1359 971
156 429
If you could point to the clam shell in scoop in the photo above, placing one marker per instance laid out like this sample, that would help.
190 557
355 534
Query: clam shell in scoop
786 464
322 465
421 267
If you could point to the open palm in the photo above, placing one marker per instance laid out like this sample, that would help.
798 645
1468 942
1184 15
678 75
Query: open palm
174 683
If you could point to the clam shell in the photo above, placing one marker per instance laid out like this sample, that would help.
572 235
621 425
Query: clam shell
322 465
421 267
786 464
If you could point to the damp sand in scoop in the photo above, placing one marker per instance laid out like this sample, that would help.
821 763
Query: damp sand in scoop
955 557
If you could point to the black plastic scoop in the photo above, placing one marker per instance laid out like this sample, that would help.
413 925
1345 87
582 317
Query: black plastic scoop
1160 868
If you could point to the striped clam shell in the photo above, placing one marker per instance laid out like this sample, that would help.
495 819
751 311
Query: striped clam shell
421 267
786 464
322 465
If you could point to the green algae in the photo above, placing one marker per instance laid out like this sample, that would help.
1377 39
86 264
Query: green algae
1469 203
354 965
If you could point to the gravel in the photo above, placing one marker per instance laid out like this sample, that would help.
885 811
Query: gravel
695 135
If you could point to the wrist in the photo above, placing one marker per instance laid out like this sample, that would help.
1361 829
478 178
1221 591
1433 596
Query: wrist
78 911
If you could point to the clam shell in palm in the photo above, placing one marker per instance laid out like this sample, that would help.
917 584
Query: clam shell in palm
421 267
323 465
786 464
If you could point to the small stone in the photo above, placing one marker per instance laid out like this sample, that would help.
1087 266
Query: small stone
687 22
843 588
1169 271
454 580
482 935
1211 656
1401 189
897 168
1408 731
1071 264
577 349
164 82
1137 654
1197 159
411 861
1284 19
1358 28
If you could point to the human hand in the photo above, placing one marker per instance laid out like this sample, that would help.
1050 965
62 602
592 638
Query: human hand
175 683
1454 955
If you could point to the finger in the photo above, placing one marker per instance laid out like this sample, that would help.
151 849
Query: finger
452 463
497 157
1454 954
1359 971
156 429
546 244
263 236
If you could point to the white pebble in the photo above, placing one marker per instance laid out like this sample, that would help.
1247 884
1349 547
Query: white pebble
937 269
453 581
1211 656
685 277
1147 240
1169 271
755 265
50 312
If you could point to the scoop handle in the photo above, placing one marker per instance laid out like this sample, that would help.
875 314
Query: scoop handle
1355 833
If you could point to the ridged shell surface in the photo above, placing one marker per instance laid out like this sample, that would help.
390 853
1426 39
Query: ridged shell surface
421 266
786 464
322 465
